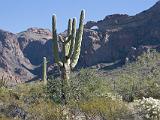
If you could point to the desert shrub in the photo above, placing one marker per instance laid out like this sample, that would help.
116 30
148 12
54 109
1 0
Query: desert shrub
7 95
148 108
88 84
53 89
149 90
106 108
137 88
29 93
46 110
82 86
30 99
139 79
3 82
3 117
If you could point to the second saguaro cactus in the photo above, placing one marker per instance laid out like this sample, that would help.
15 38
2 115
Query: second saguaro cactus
44 70
71 45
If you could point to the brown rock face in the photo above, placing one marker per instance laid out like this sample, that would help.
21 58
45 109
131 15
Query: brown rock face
33 43
112 39
12 58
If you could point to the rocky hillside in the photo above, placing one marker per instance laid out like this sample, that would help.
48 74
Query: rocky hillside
115 38
21 54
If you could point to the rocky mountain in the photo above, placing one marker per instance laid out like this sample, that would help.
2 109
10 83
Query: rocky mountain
22 53
117 36
114 39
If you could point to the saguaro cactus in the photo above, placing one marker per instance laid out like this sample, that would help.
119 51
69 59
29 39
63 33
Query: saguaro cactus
71 45
44 71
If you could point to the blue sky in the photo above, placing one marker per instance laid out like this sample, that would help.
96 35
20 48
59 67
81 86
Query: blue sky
18 15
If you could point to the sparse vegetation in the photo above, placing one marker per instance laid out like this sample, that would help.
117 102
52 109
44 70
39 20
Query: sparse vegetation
3 82
148 108
140 78
90 94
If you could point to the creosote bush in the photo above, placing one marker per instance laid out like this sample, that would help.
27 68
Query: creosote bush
83 86
106 108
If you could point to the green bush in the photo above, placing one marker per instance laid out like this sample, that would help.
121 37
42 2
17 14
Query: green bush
32 99
46 110
105 108
53 89
82 86
140 78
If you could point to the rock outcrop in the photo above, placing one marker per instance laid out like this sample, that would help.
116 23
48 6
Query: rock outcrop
114 37
12 60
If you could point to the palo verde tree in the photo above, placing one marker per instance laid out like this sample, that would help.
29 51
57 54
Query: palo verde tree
71 46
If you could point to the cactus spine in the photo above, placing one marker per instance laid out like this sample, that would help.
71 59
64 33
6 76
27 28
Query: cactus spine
44 71
71 45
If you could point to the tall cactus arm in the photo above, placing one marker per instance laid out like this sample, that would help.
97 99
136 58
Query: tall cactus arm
55 42
68 39
69 31
78 41
73 38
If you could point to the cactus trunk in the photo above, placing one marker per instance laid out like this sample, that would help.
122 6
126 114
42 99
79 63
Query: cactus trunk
65 71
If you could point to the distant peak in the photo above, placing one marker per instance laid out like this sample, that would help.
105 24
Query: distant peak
6 32
39 30
114 16
157 5
158 2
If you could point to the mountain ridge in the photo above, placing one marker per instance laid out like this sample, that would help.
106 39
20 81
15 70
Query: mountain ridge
112 39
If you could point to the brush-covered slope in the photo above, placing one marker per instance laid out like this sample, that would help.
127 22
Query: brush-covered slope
128 93
115 38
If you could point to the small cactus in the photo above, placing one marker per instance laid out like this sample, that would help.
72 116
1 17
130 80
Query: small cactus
44 71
